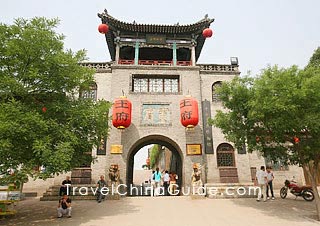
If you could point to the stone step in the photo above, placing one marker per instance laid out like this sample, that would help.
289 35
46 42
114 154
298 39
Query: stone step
56 193
30 194
56 188
73 185
79 197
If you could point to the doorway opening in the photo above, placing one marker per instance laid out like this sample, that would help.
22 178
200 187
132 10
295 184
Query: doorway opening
149 153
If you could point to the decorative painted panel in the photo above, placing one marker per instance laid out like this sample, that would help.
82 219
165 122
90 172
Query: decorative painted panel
156 114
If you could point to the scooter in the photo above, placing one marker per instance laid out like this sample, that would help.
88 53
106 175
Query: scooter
305 191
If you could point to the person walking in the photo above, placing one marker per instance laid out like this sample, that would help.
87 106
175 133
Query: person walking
166 181
261 181
157 181
173 183
152 183
270 178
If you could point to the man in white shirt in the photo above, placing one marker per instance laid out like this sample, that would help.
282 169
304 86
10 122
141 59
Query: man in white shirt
166 182
261 178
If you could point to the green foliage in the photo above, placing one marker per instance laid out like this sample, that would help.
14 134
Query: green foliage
315 59
235 97
267 112
154 155
37 72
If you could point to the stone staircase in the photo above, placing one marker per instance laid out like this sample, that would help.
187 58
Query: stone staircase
231 190
85 193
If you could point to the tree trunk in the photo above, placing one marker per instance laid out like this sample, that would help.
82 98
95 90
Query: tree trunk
312 169
21 187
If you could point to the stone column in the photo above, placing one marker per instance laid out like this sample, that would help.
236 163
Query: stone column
117 52
193 55
174 54
136 53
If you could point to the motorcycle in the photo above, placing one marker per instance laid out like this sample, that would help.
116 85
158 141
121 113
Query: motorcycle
305 191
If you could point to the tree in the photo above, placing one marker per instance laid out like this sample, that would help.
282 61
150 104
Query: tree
276 113
43 122
154 155
315 59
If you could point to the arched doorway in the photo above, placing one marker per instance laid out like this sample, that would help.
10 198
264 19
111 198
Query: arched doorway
160 140
227 164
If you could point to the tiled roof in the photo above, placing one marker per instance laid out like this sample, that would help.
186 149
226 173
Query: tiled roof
185 30
194 28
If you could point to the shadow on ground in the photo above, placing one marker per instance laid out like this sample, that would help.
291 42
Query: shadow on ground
34 212
291 209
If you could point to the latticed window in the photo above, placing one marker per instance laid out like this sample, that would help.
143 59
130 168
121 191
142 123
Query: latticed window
215 96
225 156
155 84
171 85
91 93
140 85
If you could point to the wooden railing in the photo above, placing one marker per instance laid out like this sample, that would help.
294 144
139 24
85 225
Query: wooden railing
155 62
219 68
98 65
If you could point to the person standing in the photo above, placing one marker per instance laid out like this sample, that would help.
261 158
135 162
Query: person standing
261 180
152 183
65 189
157 181
101 184
270 178
173 183
166 181
64 207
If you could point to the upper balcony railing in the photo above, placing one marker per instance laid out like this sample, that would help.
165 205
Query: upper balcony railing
204 68
155 62
224 68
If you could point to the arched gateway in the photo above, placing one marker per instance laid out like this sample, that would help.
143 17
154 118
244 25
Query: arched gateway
156 67
163 141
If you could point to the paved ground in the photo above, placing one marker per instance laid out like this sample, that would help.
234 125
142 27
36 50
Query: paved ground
171 211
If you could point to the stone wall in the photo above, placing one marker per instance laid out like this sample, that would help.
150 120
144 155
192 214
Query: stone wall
112 80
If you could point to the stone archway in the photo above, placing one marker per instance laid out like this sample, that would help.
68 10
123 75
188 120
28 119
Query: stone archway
155 139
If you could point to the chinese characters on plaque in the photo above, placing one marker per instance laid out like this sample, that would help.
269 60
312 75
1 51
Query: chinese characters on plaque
156 114
194 149
207 129
116 149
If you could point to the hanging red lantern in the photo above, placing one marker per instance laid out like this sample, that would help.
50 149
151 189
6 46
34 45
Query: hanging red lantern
296 140
103 28
121 113
44 109
189 113
207 33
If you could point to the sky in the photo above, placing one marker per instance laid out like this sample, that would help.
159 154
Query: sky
141 157
259 33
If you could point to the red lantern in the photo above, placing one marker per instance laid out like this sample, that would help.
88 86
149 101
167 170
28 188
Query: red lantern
207 33
257 139
121 113
44 109
103 28
189 113
296 140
